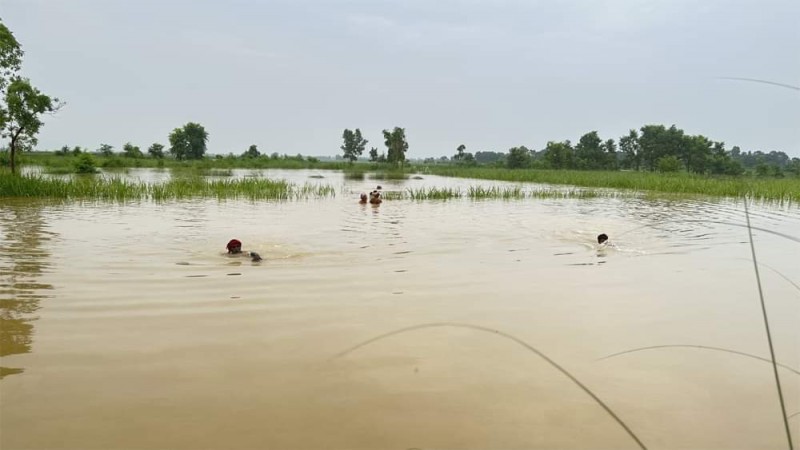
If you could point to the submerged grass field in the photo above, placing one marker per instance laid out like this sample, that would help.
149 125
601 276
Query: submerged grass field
116 189
182 187
648 183
775 189
188 180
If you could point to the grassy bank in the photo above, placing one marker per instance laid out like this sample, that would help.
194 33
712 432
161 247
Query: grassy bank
775 189
54 163
95 188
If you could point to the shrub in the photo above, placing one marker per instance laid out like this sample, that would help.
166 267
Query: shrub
668 164
84 163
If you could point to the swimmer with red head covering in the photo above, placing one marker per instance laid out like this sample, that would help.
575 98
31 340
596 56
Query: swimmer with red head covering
235 248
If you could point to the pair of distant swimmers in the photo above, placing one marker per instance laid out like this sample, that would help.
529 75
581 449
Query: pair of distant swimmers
235 248
374 197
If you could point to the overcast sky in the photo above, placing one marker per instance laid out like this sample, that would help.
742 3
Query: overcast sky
290 75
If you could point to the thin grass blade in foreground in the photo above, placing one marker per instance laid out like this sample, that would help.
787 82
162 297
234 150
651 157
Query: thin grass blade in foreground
703 347
766 326
507 336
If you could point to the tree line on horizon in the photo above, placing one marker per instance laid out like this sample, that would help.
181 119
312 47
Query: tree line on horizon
651 148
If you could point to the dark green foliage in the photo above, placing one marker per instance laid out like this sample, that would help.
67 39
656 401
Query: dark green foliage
156 151
459 153
396 145
252 152
188 142
373 154
85 163
794 167
668 164
353 145
463 157
631 152
132 151
21 113
106 150
518 158
559 155
589 152
489 157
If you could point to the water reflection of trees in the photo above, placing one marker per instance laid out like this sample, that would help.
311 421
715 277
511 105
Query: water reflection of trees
23 259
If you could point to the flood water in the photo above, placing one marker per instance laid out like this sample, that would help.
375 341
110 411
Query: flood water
127 326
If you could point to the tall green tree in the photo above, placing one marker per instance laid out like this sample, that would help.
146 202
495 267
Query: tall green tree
252 152
560 155
696 153
21 104
721 162
794 167
373 154
156 151
610 153
396 145
518 158
132 151
353 145
589 152
10 57
22 116
657 141
106 150
188 142
459 152
631 152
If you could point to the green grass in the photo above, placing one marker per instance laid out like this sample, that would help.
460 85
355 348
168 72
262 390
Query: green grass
775 189
115 189
49 159
433 193
492 193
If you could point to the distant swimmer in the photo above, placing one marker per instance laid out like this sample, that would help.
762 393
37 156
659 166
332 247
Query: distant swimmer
363 200
375 198
602 238
235 248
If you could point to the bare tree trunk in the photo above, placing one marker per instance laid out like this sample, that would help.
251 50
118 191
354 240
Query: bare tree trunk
12 150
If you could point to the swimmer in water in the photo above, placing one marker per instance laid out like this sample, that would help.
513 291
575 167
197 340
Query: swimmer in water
375 197
602 238
235 248
363 200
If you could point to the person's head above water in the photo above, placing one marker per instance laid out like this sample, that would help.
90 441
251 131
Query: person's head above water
363 197
602 238
234 246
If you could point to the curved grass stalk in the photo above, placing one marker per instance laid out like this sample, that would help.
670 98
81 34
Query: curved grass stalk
703 347
507 336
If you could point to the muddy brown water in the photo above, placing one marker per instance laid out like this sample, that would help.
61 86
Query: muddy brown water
127 327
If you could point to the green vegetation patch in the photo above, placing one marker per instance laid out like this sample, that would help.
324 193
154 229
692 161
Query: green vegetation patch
775 189
115 189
